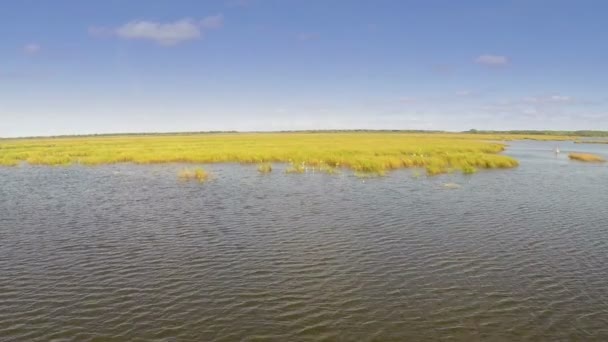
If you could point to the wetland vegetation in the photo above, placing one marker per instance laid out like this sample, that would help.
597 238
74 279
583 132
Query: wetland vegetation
198 174
361 152
586 157
591 142
265 168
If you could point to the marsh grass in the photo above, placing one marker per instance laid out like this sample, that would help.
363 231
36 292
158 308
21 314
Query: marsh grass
264 168
591 142
468 169
328 169
433 170
365 175
198 174
586 157
295 168
8 162
362 152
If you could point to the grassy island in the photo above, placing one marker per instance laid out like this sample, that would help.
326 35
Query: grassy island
362 152
586 157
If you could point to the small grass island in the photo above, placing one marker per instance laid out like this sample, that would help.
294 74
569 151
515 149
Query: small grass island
586 157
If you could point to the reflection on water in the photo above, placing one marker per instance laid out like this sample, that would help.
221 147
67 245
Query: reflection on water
129 253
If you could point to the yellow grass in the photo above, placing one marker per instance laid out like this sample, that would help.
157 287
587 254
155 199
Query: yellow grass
198 174
330 170
362 152
265 168
8 162
586 157
591 142
468 170
296 168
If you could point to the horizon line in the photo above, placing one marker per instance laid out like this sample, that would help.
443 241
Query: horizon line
587 132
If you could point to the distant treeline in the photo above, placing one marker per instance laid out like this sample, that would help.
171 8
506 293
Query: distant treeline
120 135
359 131
583 133
568 133
225 132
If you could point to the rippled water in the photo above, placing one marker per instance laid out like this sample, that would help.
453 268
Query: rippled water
129 253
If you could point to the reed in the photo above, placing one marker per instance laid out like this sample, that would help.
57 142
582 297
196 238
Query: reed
468 169
586 157
433 170
330 170
364 175
264 168
199 174
9 162
296 168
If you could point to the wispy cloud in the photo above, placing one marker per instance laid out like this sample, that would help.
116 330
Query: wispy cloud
165 34
31 48
539 108
492 60
464 93
549 99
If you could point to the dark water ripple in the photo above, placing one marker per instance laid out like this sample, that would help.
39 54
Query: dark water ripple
127 253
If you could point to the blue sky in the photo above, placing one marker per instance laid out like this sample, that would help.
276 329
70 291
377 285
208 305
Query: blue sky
79 67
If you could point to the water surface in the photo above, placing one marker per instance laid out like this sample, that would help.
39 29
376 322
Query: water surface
129 253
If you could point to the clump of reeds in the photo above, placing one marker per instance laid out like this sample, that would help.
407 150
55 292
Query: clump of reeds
264 168
368 166
296 168
330 170
199 174
586 157
468 169
8 162
433 170
364 175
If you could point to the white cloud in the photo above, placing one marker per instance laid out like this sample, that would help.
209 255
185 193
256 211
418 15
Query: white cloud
166 34
492 60
464 93
549 99
32 48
